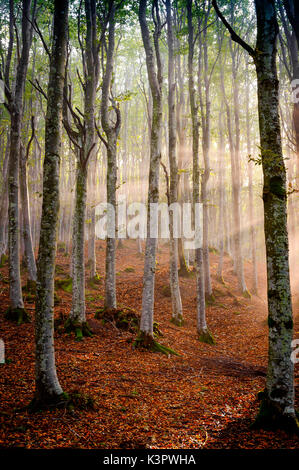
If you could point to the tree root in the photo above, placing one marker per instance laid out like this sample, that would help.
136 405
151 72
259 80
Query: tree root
205 336
210 298
123 318
185 272
178 320
19 315
80 329
271 418
220 279
146 341
48 402
246 294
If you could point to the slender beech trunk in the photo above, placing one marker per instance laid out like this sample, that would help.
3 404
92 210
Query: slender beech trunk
205 108
236 179
4 203
48 389
154 71
28 246
177 312
16 309
112 131
250 188
77 318
202 329
221 228
92 219
183 180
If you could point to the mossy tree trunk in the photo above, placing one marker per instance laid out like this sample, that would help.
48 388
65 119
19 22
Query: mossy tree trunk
177 312
16 113
28 246
77 315
236 173
252 228
221 228
85 142
154 72
204 78
202 328
48 389
277 406
4 202
111 131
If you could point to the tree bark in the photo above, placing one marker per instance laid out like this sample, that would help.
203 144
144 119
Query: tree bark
48 389
277 407
202 329
177 312
16 112
112 131
154 71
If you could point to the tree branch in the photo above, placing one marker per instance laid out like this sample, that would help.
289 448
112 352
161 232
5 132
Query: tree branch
235 37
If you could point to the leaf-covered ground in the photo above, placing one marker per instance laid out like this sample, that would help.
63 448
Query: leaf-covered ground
204 398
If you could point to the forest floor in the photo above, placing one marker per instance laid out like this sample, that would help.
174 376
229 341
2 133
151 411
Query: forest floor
204 398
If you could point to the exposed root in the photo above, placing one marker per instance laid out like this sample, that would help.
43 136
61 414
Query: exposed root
271 418
210 298
19 315
80 401
80 329
177 320
205 336
48 402
123 318
147 342
220 280
71 401
185 272
246 294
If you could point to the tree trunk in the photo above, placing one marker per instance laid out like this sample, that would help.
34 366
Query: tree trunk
155 81
202 329
277 407
177 312
48 389
250 188
112 132
4 203
221 228
29 252
16 309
